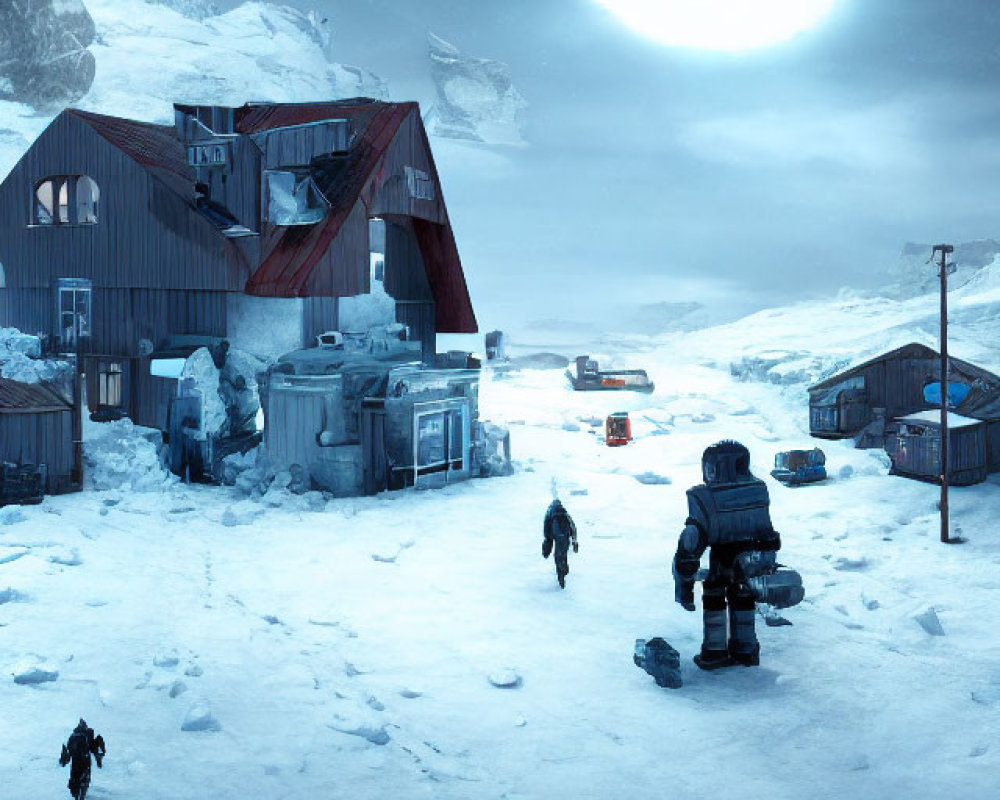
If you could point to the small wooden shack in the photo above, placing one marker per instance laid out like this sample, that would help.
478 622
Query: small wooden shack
36 430
894 384
913 443
894 400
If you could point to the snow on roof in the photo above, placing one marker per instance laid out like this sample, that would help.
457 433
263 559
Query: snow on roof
934 416
17 397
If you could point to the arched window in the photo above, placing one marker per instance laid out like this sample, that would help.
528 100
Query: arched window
65 200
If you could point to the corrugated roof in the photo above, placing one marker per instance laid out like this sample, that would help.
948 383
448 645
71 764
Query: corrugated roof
288 266
286 270
155 147
21 398
257 117
912 350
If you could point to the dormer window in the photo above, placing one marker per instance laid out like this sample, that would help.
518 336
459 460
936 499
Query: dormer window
65 200
419 183
207 155
293 198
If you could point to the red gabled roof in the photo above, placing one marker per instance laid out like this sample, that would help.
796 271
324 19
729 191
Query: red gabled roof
288 265
296 250
155 147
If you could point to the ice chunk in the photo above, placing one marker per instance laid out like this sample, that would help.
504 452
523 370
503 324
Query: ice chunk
929 622
505 678
476 98
199 718
31 671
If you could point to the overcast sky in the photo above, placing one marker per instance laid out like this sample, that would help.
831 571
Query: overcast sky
761 176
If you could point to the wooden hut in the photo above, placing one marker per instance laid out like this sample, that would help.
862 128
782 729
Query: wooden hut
894 384
258 224
36 431
913 443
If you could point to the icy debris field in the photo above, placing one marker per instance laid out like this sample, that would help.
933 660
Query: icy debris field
416 645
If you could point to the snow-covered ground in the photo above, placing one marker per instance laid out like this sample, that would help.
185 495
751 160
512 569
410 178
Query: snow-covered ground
344 648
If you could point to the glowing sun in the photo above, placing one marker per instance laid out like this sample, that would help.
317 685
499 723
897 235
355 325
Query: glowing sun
719 24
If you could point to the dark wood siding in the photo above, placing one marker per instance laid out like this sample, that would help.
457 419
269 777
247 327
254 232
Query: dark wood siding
121 317
319 315
409 148
40 438
146 234
405 275
296 146
919 455
241 192
345 268
420 319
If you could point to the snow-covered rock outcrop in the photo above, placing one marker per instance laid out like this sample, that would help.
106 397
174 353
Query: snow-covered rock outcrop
476 99
44 60
151 55
913 275
194 9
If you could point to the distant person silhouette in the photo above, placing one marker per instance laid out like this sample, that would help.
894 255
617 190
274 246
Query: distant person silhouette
82 743
560 533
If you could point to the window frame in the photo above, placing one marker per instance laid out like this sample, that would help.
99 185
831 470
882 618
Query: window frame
78 289
62 213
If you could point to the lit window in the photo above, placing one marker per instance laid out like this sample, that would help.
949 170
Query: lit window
109 384
87 195
65 200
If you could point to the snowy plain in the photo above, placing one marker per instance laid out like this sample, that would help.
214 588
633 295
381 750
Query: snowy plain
344 647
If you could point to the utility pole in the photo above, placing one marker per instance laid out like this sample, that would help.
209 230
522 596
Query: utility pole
945 268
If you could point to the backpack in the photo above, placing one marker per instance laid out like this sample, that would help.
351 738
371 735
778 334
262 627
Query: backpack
78 745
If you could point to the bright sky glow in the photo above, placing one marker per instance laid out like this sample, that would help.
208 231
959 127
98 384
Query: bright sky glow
719 24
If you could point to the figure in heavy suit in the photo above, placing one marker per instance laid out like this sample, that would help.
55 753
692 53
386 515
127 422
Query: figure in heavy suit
82 743
560 532
728 514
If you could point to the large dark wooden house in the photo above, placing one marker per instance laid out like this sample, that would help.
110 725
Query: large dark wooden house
893 401
255 224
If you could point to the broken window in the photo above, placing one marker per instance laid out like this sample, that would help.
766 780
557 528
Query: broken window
65 200
293 198
73 299
419 183
207 155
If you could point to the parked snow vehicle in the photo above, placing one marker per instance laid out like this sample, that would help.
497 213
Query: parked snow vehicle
795 467
617 429
590 378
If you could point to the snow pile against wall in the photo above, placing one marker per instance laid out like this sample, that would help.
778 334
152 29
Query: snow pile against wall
153 55
361 313
201 376
13 341
18 367
476 98
121 456
267 327
44 60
